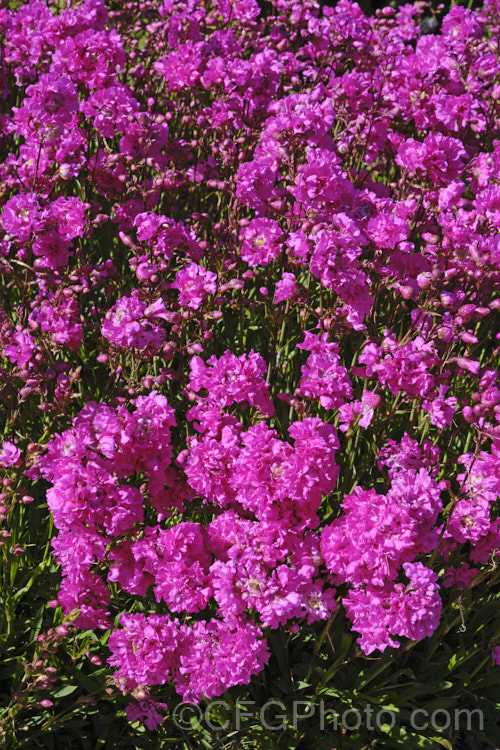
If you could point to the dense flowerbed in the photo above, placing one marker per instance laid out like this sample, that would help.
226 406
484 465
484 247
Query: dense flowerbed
250 268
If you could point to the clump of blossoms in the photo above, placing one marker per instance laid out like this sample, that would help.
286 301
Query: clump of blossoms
252 283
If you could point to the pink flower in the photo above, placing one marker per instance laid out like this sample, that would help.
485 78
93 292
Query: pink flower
323 377
386 230
216 655
22 350
230 379
411 610
440 409
195 284
147 712
255 184
21 216
128 326
111 109
9 454
145 648
262 241
286 288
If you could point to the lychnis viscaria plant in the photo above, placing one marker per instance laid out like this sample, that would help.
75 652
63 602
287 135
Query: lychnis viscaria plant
250 265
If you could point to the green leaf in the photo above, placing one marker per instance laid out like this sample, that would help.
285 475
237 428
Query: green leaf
66 690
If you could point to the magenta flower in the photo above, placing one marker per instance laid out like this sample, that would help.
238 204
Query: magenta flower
21 216
9 454
286 288
195 285
128 325
261 241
